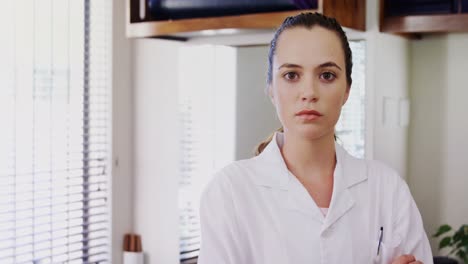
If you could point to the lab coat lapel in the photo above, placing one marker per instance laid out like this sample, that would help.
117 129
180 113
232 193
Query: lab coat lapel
298 199
271 170
349 172
342 200
273 173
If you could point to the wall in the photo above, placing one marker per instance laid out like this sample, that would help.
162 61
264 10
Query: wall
390 91
387 79
155 79
439 127
255 115
122 133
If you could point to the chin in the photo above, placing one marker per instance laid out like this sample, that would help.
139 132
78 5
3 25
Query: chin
311 132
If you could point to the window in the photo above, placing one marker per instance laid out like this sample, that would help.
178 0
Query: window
197 130
54 141
350 128
207 82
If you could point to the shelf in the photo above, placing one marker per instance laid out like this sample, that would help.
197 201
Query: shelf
417 25
425 24
171 27
350 13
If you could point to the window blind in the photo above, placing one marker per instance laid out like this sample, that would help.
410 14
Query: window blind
351 126
196 111
54 139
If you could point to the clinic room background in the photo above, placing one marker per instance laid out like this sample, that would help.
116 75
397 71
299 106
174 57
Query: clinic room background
129 127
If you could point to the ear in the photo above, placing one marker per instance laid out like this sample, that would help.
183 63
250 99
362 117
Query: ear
345 99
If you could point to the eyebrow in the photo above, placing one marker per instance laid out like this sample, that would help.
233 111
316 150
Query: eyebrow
323 65
329 64
289 65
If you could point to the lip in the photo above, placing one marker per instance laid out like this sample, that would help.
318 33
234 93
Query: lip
308 113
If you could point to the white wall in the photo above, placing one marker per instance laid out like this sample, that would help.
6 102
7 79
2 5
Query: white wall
122 133
438 137
390 66
255 115
387 77
155 65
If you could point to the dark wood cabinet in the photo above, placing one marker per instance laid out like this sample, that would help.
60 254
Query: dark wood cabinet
423 16
142 24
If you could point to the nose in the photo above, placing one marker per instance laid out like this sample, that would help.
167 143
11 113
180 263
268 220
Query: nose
310 91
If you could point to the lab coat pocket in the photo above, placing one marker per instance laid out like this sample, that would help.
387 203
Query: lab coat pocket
386 254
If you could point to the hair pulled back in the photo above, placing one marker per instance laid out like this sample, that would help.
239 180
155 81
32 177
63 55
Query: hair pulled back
308 21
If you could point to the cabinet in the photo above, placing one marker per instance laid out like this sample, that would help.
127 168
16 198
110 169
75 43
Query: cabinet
350 13
423 16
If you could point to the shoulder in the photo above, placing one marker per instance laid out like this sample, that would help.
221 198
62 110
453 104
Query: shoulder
379 170
384 179
375 171
238 175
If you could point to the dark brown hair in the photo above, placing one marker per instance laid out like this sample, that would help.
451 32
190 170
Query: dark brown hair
308 21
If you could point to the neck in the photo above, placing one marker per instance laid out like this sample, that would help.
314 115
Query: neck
310 160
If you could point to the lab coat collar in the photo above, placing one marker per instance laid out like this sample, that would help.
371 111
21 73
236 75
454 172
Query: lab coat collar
276 174
273 172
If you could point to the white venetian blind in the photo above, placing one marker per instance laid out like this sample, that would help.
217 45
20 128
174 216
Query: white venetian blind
351 126
54 138
196 104
207 126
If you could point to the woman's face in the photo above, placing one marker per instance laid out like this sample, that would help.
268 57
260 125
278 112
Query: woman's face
309 85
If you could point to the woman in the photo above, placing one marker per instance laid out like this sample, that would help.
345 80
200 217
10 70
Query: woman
304 199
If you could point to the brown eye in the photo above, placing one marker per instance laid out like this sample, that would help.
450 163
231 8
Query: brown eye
328 76
291 76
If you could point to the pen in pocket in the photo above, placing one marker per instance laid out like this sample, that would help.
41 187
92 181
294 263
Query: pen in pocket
380 240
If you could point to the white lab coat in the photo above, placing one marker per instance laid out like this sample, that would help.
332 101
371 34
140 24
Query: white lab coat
256 212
